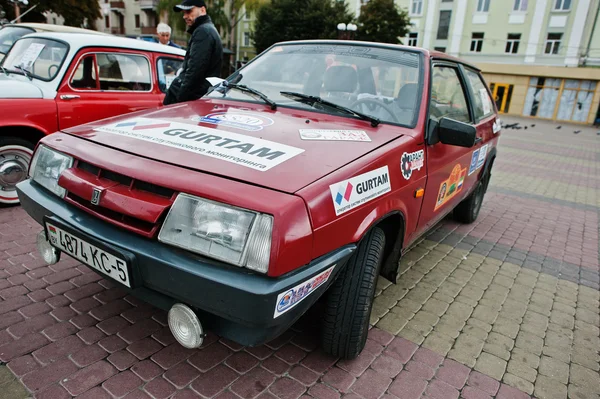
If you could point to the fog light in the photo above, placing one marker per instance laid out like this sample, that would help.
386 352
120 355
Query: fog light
185 326
50 254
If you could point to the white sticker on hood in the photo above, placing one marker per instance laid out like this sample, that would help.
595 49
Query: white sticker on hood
354 192
334 135
240 149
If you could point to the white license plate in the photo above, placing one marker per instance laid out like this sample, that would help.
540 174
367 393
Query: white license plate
89 254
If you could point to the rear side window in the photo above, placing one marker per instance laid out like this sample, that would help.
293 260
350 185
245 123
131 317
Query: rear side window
482 101
124 72
166 69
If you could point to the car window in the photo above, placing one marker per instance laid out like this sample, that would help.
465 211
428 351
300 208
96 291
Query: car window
9 35
482 101
85 74
42 58
447 95
166 69
123 72
379 82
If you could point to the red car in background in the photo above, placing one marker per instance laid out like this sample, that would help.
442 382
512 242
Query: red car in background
53 81
303 176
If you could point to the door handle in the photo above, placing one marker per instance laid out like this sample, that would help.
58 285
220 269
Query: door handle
69 96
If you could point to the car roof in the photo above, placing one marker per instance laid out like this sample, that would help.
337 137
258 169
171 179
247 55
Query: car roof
428 53
82 40
54 28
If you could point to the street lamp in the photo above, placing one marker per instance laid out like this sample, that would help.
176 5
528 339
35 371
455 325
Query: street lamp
346 31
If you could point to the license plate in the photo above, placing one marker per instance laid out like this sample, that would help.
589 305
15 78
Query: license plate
89 254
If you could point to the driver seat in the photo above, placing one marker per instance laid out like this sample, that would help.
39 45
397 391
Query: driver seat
340 82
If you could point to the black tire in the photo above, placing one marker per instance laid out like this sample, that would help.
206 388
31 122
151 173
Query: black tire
20 152
350 299
468 210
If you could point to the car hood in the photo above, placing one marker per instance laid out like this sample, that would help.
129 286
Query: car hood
285 149
12 86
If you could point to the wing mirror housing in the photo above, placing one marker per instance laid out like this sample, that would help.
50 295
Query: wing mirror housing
457 133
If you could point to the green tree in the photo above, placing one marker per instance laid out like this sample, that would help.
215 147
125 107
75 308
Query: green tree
79 13
382 21
282 20
215 9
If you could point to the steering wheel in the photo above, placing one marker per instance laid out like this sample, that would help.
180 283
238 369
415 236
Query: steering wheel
377 103
50 69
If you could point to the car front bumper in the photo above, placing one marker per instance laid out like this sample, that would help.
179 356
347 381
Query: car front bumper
232 302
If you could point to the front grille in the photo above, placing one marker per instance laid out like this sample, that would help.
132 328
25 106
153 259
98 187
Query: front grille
136 205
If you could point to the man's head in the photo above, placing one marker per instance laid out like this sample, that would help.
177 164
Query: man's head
164 33
191 9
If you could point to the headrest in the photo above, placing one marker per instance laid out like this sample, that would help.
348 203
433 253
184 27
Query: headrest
340 78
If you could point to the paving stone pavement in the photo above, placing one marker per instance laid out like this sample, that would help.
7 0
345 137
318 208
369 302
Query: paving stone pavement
507 307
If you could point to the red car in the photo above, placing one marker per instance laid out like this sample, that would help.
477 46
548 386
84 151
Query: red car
53 81
304 176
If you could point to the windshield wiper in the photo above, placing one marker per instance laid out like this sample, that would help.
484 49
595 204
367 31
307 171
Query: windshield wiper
246 89
305 98
4 70
25 71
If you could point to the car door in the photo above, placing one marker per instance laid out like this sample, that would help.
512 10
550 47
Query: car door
452 170
106 83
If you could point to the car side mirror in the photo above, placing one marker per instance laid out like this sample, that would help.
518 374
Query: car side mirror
457 133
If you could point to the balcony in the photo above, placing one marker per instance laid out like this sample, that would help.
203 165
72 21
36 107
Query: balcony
148 4
117 6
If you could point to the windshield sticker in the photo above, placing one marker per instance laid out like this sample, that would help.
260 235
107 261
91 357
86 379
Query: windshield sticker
354 192
239 149
450 187
334 135
485 101
477 159
31 55
250 122
292 297
411 161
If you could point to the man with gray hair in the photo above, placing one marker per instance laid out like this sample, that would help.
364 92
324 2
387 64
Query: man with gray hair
163 32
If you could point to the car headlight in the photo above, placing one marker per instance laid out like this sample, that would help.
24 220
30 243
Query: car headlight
234 235
47 166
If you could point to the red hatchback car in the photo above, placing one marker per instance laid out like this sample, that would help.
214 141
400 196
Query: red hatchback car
53 81
304 176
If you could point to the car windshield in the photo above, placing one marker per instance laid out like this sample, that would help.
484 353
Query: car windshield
377 82
35 57
9 35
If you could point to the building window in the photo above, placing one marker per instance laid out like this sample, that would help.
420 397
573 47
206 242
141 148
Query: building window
541 97
246 39
444 24
483 5
416 7
520 5
137 20
562 5
413 38
476 42
441 49
553 43
107 21
575 100
512 44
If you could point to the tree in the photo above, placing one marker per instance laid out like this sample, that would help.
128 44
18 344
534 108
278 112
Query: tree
382 21
79 13
215 10
282 20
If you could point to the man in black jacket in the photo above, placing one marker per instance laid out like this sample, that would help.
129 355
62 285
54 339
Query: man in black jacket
203 57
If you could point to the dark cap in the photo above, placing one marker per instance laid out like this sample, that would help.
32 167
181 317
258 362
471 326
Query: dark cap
189 4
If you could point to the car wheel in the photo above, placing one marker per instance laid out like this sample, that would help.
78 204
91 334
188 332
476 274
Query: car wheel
468 210
15 157
350 299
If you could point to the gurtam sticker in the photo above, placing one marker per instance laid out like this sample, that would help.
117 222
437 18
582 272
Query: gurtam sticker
245 121
334 135
351 193
251 152
290 298
411 161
